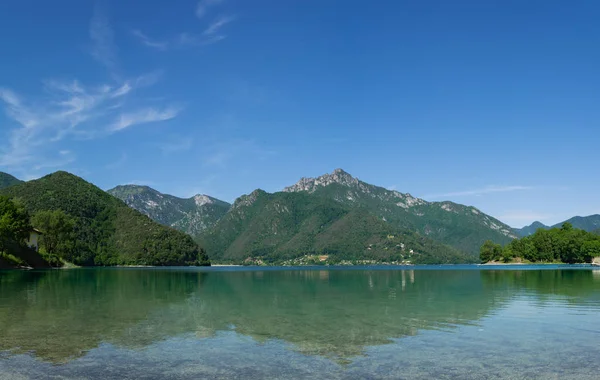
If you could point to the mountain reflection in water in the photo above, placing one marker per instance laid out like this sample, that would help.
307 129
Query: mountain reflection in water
60 315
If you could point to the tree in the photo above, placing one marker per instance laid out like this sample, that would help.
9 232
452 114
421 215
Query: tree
508 254
524 248
546 243
567 227
591 249
490 251
57 229
14 224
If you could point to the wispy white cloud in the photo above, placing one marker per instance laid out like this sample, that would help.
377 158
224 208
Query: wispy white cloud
479 192
204 5
15 109
38 127
122 90
181 40
148 79
69 109
103 47
217 25
145 40
9 97
210 35
143 116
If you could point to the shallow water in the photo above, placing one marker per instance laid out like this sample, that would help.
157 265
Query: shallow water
386 322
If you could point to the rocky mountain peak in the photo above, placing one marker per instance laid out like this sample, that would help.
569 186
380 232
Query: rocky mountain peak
310 185
247 200
341 172
201 200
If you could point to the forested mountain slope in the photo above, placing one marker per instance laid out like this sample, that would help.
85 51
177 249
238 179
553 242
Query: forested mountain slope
107 231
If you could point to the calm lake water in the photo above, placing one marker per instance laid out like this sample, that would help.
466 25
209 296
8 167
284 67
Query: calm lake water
386 322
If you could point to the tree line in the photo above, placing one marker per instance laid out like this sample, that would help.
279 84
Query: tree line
560 245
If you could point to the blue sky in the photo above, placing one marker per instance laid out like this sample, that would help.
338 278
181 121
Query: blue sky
488 103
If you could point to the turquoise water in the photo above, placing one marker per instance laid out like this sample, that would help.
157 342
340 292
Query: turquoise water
468 322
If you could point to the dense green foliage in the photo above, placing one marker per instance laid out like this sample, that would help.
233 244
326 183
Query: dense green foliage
14 230
277 227
192 215
490 251
14 227
14 222
58 234
565 244
106 231
7 180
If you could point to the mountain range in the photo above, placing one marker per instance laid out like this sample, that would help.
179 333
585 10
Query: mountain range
331 218
589 223
333 215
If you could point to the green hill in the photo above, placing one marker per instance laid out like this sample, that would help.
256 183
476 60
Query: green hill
191 215
107 231
462 227
7 180
283 227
